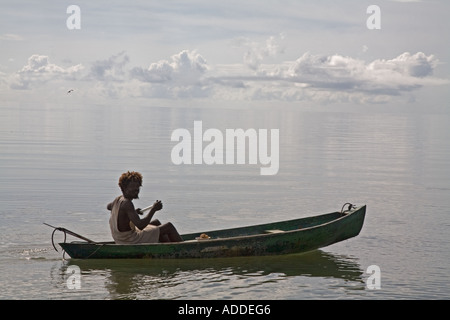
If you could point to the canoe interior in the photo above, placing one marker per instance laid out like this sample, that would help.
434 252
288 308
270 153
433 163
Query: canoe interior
288 225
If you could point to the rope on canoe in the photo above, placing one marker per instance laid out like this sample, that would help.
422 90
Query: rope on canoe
350 207
66 231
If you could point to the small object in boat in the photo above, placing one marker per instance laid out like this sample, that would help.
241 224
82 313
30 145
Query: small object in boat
203 236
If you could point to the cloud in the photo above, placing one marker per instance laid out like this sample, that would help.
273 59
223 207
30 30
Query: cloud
181 76
311 77
39 70
417 65
111 69
323 78
185 67
342 78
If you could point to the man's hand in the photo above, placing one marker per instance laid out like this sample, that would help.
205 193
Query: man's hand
157 205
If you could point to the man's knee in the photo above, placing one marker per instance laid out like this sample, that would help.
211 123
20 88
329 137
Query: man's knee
156 222
167 227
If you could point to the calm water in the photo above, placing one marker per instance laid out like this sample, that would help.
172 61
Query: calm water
61 164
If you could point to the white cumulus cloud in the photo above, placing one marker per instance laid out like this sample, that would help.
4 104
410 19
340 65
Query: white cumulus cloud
417 65
181 76
338 77
39 70
311 77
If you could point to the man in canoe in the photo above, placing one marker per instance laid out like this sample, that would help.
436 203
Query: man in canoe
126 225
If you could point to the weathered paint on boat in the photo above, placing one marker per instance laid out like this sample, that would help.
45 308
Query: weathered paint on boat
291 236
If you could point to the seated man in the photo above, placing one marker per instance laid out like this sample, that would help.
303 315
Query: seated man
126 225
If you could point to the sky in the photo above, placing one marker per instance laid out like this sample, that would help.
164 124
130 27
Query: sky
229 53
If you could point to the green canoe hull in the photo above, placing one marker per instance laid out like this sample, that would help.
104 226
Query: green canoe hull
285 237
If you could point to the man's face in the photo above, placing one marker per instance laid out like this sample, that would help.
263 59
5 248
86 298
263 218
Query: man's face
132 190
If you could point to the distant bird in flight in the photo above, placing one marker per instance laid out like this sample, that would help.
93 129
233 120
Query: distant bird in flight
71 90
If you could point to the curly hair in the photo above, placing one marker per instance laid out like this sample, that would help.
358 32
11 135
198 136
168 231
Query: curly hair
128 177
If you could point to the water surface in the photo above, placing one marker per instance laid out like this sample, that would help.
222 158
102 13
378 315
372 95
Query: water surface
61 165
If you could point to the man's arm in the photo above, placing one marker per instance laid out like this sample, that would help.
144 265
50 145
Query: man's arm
128 207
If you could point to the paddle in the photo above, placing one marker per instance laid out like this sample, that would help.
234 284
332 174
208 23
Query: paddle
66 231
141 211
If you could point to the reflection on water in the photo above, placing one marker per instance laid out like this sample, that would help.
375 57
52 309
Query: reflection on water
227 278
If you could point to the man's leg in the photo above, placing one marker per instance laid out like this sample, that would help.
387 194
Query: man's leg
156 222
168 232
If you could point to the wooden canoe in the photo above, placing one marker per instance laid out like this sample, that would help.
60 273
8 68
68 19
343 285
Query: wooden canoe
284 237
